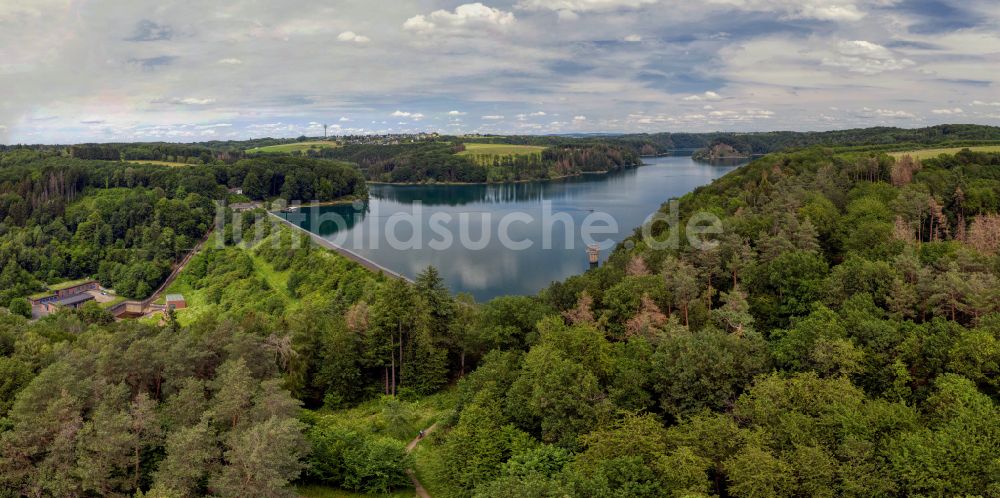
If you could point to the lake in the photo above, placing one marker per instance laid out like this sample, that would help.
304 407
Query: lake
493 240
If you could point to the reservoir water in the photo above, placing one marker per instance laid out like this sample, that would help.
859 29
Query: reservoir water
493 240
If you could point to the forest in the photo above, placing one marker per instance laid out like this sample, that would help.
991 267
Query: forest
439 162
838 338
126 224
881 138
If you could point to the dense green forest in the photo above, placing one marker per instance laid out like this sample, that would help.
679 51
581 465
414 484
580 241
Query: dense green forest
840 338
126 224
438 161
882 138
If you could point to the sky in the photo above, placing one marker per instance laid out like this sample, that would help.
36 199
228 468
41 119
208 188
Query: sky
188 70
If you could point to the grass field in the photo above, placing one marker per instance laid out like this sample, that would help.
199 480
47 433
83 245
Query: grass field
500 149
158 163
929 153
297 146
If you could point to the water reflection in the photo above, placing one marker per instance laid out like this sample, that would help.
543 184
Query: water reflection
477 261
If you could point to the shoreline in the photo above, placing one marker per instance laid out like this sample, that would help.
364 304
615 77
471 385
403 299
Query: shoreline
509 182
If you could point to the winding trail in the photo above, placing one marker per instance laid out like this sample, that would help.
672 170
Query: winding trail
421 492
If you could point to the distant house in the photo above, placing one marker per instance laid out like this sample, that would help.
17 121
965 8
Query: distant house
51 304
176 301
68 294
236 190
74 301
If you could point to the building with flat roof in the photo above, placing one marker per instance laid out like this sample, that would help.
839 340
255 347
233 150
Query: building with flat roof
67 294
74 301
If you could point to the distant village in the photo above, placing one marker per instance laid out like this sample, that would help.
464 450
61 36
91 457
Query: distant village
390 139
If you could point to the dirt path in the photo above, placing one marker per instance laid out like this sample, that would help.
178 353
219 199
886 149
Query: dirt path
421 492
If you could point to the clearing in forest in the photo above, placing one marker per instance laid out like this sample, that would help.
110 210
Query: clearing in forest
930 153
500 149
171 164
292 147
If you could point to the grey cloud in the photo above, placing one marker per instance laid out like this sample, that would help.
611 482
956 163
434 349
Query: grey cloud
146 31
151 63
251 64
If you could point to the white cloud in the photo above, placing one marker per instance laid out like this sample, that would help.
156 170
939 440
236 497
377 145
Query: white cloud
466 15
416 116
633 38
492 117
344 119
734 116
887 113
352 37
794 69
192 101
956 110
538 113
824 10
865 57
581 5
579 118
457 113
705 96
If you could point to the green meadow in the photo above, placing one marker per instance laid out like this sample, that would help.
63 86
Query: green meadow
292 147
500 150
929 153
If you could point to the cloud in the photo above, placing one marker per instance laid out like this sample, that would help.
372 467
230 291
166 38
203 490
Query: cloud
184 101
579 119
633 38
467 15
823 10
956 110
791 58
537 114
147 31
492 117
416 116
457 113
344 119
582 5
152 63
887 113
352 37
710 95
860 56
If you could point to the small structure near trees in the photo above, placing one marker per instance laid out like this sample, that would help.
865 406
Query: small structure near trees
175 301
